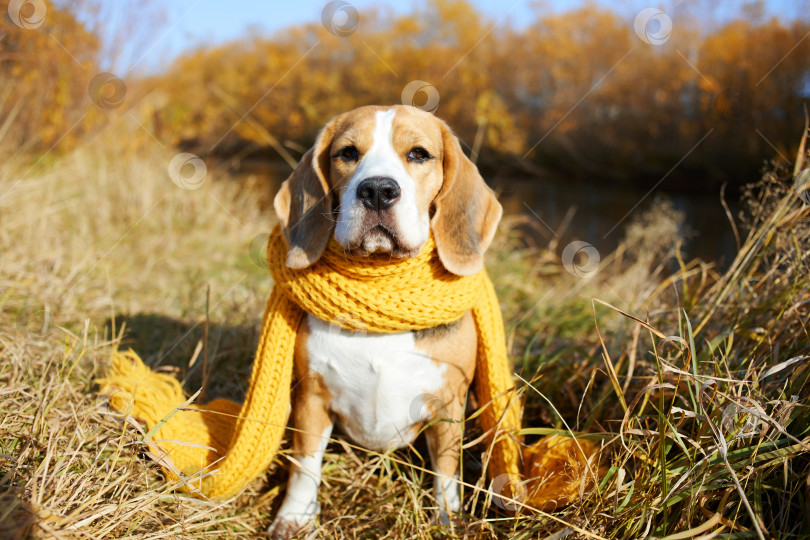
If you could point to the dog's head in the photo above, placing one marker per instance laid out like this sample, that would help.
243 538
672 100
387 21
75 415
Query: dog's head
380 179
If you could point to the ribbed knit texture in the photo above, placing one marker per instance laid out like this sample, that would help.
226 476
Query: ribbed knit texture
215 449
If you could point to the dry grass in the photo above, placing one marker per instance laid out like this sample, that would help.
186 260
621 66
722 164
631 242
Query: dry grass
701 403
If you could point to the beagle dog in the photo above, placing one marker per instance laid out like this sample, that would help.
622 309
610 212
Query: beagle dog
380 179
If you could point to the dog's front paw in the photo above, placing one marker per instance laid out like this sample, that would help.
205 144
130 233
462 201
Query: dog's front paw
297 513
284 529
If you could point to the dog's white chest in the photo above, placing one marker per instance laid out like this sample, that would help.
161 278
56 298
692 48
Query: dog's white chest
379 382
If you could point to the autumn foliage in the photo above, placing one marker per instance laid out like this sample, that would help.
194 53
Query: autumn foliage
43 89
577 92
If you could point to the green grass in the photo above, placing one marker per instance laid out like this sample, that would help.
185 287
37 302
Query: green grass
696 380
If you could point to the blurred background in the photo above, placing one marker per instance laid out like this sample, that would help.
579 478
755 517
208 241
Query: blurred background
578 113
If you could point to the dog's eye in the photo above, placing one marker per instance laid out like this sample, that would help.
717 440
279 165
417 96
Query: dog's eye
348 153
418 154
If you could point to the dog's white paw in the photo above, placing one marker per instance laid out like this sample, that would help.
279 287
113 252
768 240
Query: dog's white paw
294 517
284 529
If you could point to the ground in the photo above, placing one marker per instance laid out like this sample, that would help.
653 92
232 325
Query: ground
693 378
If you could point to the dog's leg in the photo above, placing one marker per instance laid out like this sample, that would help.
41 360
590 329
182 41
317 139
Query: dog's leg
313 426
444 444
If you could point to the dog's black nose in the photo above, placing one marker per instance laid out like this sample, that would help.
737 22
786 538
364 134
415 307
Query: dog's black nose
378 193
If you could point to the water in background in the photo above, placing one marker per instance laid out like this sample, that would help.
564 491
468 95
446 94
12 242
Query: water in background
603 211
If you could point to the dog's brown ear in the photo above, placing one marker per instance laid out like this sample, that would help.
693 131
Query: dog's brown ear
466 211
304 204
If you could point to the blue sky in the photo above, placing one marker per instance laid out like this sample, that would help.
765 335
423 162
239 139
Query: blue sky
191 23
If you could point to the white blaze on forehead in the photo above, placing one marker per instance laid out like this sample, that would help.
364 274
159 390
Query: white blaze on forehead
383 160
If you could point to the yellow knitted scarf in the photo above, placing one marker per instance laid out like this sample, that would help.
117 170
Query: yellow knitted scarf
215 449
